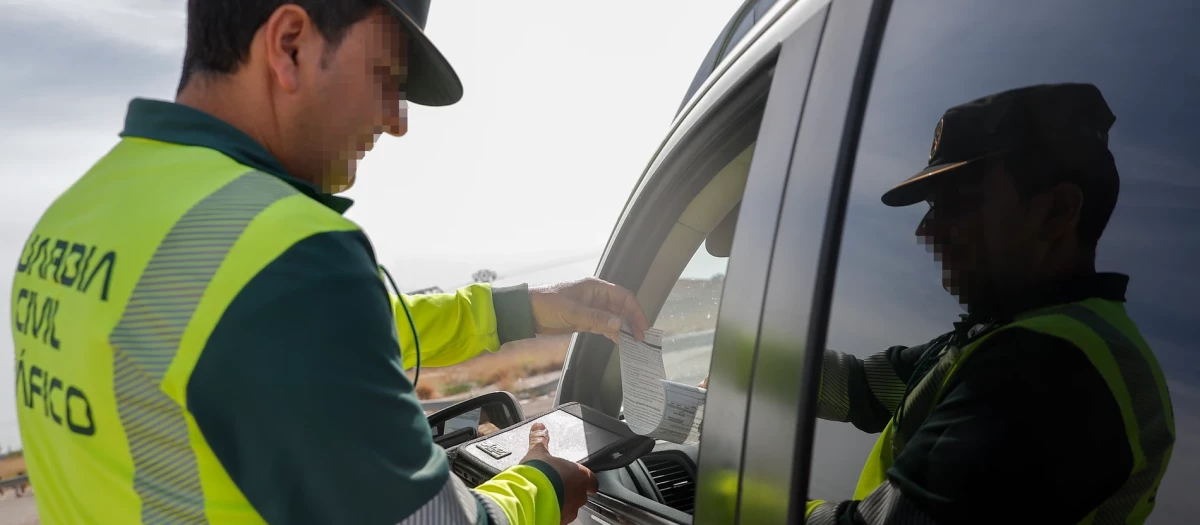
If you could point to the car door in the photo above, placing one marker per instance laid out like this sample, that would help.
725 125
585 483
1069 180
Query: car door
776 450
693 243
879 287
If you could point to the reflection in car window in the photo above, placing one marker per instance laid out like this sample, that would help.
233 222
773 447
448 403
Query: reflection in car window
939 54
689 318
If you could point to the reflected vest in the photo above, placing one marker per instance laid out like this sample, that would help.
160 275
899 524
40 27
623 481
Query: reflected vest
1109 338
115 294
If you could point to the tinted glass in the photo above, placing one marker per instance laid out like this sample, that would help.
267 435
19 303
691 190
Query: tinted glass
941 53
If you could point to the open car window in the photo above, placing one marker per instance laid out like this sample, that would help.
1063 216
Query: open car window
689 318
659 251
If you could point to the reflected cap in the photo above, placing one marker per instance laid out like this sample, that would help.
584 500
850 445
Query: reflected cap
1046 117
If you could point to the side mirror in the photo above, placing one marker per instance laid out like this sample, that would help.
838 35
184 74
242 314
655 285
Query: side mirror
719 242
479 416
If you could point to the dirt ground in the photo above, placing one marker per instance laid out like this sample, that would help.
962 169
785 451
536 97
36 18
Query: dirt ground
18 511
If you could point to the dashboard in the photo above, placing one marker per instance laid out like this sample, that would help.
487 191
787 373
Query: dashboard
662 482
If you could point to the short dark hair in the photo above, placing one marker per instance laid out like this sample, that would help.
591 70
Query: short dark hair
1091 167
219 32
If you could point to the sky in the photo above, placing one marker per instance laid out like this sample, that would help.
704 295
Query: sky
564 104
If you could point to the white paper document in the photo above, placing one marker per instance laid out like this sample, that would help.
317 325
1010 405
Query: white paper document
653 405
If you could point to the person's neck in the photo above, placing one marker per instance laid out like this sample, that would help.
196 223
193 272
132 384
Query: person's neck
237 105
1015 299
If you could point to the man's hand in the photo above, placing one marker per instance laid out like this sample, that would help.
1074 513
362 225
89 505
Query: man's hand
704 384
589 305
577 480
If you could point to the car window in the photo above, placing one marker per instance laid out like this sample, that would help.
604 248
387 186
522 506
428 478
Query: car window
688 318
671 248
941 53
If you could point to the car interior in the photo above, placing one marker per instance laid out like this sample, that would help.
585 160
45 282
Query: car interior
663 482
666 477
686 205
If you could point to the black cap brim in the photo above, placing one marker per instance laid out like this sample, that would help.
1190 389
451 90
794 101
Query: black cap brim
917 188
431 79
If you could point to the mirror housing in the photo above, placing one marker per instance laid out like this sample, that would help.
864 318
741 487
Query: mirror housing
719 242
478 416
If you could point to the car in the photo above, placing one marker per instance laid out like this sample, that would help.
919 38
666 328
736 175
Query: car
756 238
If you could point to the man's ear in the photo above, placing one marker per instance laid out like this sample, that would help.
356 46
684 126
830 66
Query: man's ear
289 42
1063 204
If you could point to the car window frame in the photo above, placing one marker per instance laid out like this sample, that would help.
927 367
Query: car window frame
727 40
722 445
661 199
713 57
732 55
782 410
766 182
756 51
626 259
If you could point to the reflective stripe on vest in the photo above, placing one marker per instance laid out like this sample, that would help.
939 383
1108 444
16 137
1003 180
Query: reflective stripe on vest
145 340
126 275
1104 332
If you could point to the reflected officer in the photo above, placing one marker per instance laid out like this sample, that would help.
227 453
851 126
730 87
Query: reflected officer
1044 404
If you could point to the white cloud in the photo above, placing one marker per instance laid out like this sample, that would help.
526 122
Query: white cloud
156 26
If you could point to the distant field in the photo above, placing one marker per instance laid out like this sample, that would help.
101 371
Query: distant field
691 307
504 369
12 465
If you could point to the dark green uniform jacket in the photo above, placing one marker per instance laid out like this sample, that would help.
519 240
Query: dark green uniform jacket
203 338
1024 430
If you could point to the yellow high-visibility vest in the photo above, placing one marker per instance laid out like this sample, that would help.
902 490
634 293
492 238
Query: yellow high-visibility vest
116 292
1103 331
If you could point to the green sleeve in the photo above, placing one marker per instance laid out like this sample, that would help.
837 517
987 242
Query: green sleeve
454 327
867 391
301 395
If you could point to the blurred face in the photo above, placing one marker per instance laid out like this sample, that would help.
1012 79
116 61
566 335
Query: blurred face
345 97
985 237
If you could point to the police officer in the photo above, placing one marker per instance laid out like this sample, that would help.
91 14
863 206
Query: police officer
1044 404
202 337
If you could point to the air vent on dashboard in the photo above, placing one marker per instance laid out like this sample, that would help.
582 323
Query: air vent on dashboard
673 479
